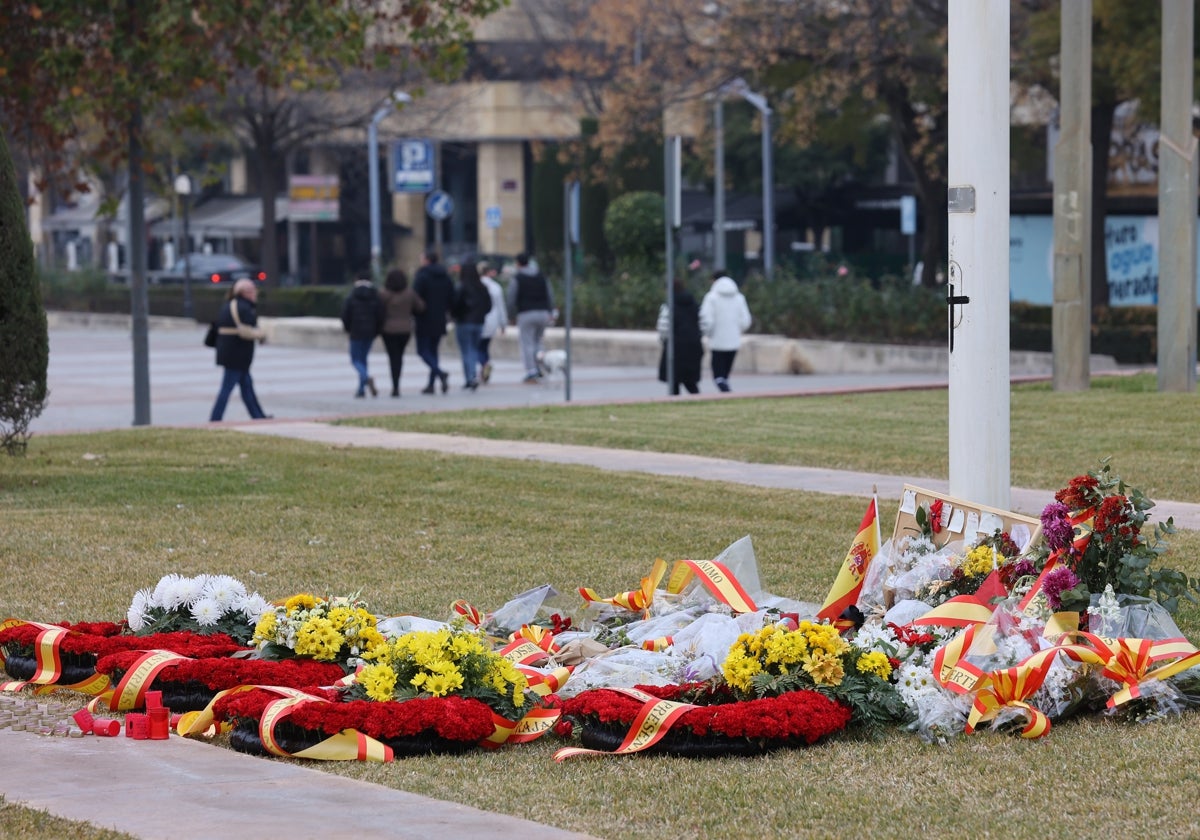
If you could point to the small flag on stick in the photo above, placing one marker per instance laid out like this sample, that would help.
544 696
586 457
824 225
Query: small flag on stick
849 581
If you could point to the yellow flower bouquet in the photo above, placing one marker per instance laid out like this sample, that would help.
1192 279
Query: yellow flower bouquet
447 662
338 629
776 660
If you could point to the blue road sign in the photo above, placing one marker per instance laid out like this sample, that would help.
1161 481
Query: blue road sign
412 166
439 205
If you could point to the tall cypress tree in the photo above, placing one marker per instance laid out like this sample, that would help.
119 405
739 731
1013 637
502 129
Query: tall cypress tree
24 340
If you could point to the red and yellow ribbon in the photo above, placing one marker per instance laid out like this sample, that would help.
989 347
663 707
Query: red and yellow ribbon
719 581
48 657
635 600
130 692
653 721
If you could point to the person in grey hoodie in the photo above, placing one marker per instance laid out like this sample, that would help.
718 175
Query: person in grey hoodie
531 302
724 316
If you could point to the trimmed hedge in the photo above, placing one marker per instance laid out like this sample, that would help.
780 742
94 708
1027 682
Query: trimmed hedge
823 305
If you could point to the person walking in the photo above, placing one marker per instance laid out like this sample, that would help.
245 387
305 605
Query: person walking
724 316
689 350
237 330
496 318
399 304
531 302
362 318
471 306
433 286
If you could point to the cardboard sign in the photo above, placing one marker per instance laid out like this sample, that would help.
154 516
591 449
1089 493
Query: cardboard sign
961 520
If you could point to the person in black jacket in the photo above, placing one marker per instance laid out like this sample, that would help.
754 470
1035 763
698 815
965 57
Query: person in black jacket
689 349
237 330
471 306
433 285
362 318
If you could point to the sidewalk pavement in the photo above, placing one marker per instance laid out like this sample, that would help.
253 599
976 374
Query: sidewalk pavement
181 789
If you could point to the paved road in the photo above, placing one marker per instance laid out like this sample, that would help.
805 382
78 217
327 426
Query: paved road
91 382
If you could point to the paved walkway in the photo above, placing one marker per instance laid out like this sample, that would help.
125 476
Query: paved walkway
181 789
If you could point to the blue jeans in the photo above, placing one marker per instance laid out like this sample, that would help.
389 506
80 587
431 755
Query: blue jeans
468 345
239 378
427 349
359 350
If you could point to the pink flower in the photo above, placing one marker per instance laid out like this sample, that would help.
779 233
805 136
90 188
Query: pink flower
842 271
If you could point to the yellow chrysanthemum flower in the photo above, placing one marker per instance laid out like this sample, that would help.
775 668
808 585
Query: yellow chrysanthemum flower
825 669
875 662
339 616
264 631
319 639
379 681
980 560
302 601
739 670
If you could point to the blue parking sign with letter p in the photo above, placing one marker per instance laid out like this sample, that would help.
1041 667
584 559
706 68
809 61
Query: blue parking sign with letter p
412 166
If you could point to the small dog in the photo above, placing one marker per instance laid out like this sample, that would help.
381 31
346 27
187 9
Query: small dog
552 364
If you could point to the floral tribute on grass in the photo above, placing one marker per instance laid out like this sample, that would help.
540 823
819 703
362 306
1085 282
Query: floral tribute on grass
266 722
1075 622
65 656
696 720
202 604
191 684
424 692
338 629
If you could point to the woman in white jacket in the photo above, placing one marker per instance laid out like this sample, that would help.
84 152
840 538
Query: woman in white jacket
724 316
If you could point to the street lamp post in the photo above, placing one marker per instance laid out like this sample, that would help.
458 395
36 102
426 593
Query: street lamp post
183 188
739 87
398 97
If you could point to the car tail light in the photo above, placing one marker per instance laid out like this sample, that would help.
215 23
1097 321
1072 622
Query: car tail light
215 278
262 277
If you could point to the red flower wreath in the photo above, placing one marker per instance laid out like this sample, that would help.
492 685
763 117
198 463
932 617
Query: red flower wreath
221 673
81 641
792 717
452 718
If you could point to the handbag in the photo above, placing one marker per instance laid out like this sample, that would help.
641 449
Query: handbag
210 337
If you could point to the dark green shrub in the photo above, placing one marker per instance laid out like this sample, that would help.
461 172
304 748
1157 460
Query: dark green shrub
24 339
633 226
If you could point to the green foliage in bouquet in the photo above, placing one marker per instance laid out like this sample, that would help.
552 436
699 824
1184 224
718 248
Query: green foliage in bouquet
1118 553
776 660
440 663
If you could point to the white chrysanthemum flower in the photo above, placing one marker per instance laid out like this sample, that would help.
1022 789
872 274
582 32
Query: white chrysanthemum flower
138 613
187 592
162 595
877 637
254 607
206 611
225 590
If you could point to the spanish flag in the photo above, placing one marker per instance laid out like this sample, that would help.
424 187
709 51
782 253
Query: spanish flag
854 568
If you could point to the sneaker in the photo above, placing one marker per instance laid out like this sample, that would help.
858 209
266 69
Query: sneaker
486 373
723 385
532 379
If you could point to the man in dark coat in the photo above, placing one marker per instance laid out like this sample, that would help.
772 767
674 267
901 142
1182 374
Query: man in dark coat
362 318
237 330
433 285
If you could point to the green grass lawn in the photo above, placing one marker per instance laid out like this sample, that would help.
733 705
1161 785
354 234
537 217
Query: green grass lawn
1149 436
85 520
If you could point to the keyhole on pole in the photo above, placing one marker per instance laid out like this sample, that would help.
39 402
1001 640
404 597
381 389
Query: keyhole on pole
952 300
